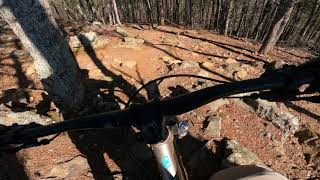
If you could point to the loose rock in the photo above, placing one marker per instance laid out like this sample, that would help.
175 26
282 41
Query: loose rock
22 118
74 42
214 126
231 61
215 105
70 169
203 73
288 123
239 155
100 41
122 31
133 40
240 74
189 64
207 65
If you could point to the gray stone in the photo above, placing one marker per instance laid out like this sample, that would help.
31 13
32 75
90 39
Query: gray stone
170 60
189 64
74 42
288 123
207 65
215 105
133 40
203 73
214 126
240 74
122 31
69 169
231 61
239 155
100 42
231 68
22 118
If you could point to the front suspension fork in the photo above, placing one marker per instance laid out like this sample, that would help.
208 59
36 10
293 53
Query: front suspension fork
170 165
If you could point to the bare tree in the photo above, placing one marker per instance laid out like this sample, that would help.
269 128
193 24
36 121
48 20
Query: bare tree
116 13
278 24
161 12
149 13
228 17
55 65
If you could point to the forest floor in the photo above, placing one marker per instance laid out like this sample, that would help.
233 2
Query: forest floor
123 65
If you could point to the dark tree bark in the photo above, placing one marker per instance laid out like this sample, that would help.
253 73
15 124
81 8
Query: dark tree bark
149 13
177 12
243 12
278 24
191 18
161 12
55 65
218 9
228 17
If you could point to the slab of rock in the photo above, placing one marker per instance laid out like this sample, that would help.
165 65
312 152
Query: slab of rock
203 73
238 155
100 42
207 65
240 74
215 105
214 126
170 60
231 61
189 64
22 118
70 169
133 41
122 31
288 123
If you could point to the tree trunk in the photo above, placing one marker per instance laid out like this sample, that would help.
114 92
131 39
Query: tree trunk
54 63
243 12
228 17
116 13
278 24
311 17
191 18
218 16
161 12
149 13
177 12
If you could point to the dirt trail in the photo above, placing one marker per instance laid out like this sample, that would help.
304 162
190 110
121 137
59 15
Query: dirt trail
123 67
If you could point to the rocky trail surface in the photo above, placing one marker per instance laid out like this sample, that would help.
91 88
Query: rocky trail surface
116 61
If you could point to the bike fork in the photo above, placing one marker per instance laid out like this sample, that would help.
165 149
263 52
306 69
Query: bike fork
169 163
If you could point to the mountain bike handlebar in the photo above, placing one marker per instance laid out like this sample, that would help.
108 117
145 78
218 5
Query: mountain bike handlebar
288 79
